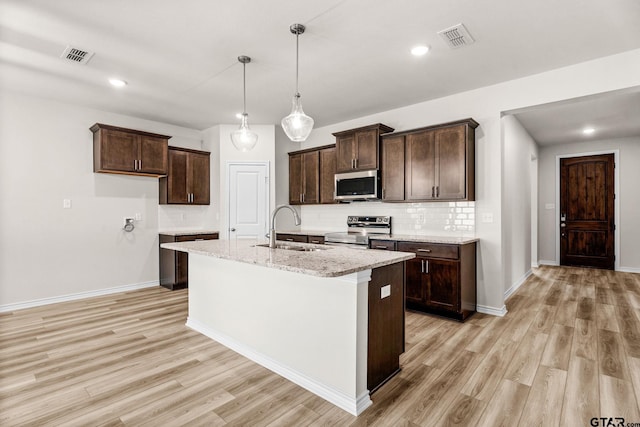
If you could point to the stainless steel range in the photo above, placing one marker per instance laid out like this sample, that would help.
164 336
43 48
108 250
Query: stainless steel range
360 228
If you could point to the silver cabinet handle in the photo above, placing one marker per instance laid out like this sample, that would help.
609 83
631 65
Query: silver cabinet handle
300 197
315 241
380 247
139 165
289 240
424 250
426 266
421 266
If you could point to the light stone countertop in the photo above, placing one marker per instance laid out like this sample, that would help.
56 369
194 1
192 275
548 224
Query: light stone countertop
189 232
453 240
307 232
333 261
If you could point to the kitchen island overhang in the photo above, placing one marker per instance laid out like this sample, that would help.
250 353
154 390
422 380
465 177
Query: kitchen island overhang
292 313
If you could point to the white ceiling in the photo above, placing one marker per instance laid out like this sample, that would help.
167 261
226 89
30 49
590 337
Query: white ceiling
179 58
611 115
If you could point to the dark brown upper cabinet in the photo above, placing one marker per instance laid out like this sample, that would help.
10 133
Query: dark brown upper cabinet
358 149
312 175
127 151
392 168
187 182
439 163
327 175
304 177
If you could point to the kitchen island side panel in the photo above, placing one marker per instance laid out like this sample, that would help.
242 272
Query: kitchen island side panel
313 327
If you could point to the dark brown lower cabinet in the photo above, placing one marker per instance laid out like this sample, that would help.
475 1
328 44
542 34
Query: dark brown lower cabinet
285 237
300 238
386 324
441 279
174 265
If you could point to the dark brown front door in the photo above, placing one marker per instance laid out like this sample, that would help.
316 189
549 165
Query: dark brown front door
587 211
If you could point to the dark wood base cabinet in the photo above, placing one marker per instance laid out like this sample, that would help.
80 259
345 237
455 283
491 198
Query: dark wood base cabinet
174 265
386 324
441 279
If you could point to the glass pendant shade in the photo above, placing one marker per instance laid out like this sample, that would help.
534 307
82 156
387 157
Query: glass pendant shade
243 138
297 125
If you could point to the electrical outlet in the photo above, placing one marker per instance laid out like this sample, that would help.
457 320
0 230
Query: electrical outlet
138 216
66 203
385 291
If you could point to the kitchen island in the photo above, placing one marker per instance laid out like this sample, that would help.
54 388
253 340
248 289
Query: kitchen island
328 318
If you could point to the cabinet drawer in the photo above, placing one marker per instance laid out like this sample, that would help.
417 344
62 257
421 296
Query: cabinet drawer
432 250
388 245
194 237
292 237
318 240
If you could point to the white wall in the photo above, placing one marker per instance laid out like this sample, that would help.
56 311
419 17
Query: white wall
629 197
519 151
218 139
485 106
46 155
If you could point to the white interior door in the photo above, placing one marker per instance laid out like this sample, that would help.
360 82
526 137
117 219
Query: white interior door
248 200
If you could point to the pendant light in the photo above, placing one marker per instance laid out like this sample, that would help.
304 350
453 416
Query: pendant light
243 138
297 125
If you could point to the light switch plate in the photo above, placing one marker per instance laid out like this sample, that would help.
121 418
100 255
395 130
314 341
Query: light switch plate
66 203
385 291
487 217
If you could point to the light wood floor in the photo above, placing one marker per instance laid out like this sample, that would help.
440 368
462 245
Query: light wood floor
567 351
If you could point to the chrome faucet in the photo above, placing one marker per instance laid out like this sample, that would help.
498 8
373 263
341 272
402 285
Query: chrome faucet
272 231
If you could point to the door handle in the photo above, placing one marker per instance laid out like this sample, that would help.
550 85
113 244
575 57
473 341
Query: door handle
433 191
233 229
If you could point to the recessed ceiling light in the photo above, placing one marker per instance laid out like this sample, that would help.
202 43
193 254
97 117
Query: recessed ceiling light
588 131
117 82
419 50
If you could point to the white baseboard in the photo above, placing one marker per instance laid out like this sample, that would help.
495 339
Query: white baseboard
535 265
629 270
354 406
547 262
500 312
516 285
71 297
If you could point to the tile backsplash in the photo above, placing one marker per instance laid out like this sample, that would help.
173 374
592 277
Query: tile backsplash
433 218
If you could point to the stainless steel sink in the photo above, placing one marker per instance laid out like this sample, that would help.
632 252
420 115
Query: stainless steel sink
288 247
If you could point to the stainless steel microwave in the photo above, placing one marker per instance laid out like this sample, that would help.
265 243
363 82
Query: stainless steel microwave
361 185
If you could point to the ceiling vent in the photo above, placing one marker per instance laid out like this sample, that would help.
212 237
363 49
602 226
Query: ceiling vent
76 55
456 36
